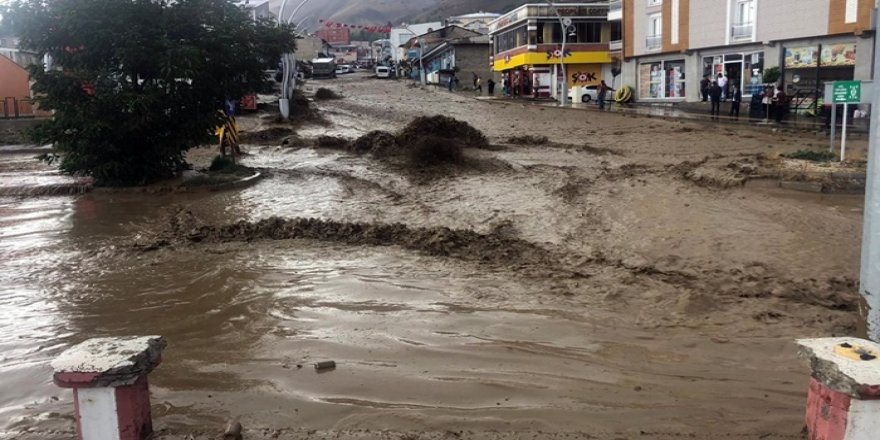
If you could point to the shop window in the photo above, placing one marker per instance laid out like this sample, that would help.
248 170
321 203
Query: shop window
662 79
675 79
651 80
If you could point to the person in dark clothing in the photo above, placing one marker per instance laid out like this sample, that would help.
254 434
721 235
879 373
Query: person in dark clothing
780 103
491 86
736 98
602 90
704 88
715 98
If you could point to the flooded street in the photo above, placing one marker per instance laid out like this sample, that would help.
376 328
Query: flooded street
633 297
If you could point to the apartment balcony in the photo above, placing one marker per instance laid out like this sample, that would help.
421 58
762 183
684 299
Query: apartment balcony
653 42
741 31
615 10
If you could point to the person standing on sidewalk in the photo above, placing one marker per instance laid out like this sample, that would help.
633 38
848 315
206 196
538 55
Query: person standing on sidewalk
451 82
603 90
478 86
491 86
736 98
722 83
715 98
704 88
780 104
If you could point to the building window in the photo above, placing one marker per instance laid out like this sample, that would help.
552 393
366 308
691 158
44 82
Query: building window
662 79
743 20
616 34
655 31
511 39
549 32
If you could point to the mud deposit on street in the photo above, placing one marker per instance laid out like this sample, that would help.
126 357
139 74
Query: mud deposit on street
595 275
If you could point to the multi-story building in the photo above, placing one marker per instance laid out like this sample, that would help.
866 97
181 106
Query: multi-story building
335 35
401 34
527 46
478 21
670 45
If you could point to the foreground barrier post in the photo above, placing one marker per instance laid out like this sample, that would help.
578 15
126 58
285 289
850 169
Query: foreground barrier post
110 390
843 402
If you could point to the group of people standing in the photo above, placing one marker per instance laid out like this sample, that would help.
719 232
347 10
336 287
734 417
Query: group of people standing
722 89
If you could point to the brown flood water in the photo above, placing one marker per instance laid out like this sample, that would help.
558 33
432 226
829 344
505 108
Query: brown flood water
426 343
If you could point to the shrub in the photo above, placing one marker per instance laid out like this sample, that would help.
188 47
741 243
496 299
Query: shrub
324 94
814 156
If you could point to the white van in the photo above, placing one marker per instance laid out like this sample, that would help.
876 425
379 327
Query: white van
383 72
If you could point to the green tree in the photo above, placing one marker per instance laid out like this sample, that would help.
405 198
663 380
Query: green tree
137 83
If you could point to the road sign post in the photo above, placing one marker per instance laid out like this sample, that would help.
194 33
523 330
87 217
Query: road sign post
845 92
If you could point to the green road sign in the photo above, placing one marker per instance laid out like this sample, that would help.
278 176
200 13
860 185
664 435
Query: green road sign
847 91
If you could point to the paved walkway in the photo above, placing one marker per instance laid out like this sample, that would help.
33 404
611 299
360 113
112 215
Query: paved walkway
687 110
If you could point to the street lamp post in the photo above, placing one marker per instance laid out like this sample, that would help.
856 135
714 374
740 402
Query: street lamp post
563 25
421 52
288 62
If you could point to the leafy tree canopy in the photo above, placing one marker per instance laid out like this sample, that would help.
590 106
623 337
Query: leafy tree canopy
137 83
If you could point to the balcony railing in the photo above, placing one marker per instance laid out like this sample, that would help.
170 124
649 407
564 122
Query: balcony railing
741 30
653 41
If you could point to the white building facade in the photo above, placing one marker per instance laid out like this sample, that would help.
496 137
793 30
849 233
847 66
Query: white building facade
669 46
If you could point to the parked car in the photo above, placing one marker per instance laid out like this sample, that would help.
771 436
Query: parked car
383 72
588 93
344 68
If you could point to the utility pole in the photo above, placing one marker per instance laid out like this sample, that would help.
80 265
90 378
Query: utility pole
869 287
564 24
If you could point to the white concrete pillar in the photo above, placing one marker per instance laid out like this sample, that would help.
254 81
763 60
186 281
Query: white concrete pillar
109 381
843 402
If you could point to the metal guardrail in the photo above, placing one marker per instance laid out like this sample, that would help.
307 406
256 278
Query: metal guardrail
653 41
741 30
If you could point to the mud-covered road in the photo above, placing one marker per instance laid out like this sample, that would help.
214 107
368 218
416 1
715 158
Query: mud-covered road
631 277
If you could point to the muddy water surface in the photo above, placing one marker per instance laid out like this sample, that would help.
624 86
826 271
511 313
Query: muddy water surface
428 343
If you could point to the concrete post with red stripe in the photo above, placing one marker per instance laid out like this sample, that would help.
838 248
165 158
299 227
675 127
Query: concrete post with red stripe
843 402
109 381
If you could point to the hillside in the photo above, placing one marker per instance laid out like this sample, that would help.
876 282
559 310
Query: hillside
394 11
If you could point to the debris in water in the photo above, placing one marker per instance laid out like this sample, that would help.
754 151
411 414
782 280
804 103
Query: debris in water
233 431
325 365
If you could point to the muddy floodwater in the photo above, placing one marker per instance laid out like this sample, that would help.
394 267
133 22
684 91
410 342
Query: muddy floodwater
631 277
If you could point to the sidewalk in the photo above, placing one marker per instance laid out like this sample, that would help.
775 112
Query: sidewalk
698 111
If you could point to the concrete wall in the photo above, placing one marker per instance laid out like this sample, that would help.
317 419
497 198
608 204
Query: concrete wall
14 83
708 20
473 58
786 19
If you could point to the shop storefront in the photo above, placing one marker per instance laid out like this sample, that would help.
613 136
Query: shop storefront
665 79
745 69
806 68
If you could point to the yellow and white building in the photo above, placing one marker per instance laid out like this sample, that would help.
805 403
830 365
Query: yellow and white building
527 47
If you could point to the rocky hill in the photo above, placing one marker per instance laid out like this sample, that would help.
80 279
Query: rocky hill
394 11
